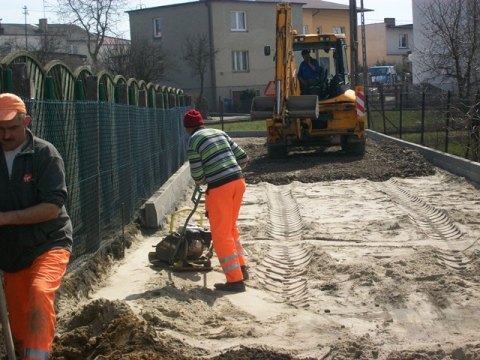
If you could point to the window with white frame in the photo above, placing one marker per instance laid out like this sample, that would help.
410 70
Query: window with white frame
403 41
305 29
157 28
238 21
338 29
239 61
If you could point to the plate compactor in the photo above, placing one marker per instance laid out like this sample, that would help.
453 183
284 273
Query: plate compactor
190 247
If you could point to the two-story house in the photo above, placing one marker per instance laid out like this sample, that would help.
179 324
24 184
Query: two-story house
326 17
65 42
388 43
236 31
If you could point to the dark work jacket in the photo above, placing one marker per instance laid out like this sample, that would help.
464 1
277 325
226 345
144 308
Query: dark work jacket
38 176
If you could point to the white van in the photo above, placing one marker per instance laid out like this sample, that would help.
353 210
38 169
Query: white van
383 74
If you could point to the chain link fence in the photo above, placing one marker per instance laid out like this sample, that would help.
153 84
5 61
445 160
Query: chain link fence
116 156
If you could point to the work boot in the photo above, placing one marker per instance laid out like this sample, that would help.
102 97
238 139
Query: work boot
245 274
237 286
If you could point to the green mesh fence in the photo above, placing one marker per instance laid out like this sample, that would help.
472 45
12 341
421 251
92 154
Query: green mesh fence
116 157
427 118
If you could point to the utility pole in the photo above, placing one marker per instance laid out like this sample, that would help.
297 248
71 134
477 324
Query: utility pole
25 12
364 46
353 43
44 29
364 63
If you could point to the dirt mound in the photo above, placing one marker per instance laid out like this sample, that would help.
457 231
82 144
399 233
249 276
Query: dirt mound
110 330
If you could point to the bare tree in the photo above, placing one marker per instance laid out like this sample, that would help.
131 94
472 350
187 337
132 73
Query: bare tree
452 31
97 17
198 55
12 45
48 47
139 60
452 54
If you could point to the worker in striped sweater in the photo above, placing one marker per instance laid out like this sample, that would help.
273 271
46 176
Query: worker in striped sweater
217 161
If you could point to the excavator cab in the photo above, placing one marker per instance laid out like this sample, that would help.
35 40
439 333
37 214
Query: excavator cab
330 52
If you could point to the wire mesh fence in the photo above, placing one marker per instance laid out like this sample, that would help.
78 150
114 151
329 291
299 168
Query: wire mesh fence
116 156
428 117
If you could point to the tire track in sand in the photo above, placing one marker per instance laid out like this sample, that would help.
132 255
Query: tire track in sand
286 261
433 222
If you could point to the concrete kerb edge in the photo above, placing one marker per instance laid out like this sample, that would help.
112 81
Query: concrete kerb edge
453 164
240 134
163 202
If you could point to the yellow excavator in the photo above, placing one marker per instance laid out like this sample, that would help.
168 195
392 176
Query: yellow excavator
327 112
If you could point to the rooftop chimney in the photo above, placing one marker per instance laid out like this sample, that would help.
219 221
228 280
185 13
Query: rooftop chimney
390 22
43 25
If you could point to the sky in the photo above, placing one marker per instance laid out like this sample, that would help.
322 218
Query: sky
401 10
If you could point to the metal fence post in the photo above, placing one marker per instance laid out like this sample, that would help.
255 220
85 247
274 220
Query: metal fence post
447 124
422 125
79 92
401 112
220 105
475 129
367 107
382 105
49 88
8 80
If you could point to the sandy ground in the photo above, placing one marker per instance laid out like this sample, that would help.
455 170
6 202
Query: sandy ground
345 268
341 269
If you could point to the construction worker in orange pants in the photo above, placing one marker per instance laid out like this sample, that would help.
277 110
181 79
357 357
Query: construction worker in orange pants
35 229
223 206
216 160
30 295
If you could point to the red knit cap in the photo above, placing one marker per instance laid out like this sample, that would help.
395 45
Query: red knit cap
192 119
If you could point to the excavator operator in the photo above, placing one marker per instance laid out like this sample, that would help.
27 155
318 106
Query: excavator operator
310 73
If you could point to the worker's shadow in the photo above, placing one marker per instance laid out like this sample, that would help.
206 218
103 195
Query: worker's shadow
190 274
171 289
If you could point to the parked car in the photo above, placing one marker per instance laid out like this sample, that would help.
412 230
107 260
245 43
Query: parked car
383 74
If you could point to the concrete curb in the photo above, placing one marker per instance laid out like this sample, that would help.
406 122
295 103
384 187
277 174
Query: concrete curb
163 202
454 164
240 134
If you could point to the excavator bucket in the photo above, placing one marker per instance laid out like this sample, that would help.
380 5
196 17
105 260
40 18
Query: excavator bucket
302 106
262 107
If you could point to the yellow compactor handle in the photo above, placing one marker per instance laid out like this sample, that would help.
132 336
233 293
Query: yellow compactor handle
172 217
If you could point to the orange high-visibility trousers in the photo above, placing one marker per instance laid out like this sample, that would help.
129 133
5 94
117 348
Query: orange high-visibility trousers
30 295
223 206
